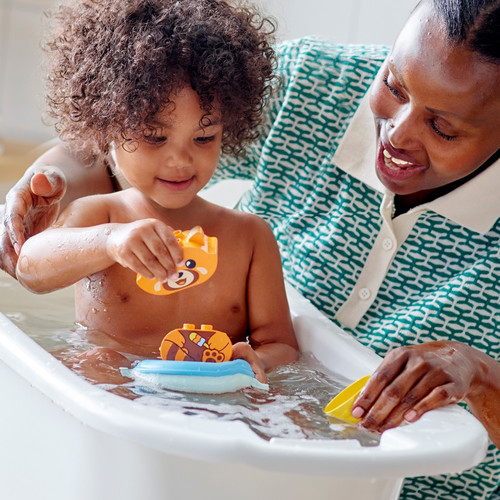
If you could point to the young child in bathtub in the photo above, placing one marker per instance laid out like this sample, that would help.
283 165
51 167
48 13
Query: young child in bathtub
160 87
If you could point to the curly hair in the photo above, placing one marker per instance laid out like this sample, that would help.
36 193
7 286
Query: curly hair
112 65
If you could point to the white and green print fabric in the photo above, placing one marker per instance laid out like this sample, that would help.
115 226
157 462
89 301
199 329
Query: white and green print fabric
430 274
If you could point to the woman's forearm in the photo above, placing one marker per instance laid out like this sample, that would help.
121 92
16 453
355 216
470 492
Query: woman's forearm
61 257
484 400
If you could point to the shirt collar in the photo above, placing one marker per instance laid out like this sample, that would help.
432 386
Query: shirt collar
474 205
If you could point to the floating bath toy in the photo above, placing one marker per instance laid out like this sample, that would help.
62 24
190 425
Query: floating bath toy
340 406
195 360
200 263
195 376
191 344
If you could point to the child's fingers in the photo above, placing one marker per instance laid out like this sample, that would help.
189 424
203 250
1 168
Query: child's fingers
173 249
164 253
242 350
146 246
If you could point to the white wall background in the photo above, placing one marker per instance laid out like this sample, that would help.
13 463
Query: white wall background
21 96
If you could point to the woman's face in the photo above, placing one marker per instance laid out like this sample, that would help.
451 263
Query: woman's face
436 108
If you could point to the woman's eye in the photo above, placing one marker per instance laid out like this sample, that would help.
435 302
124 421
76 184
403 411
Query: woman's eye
441 134
391 89
205 139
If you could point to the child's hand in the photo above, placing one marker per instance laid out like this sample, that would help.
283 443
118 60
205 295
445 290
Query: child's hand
146 246
242 350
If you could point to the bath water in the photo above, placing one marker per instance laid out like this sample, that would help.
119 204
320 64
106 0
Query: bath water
293 407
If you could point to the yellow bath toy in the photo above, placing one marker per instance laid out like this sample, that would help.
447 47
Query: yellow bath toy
200 263
340 406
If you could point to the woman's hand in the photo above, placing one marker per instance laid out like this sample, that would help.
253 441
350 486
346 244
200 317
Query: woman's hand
415 379
31 206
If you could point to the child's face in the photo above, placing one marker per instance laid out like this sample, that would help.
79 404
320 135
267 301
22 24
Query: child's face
176 162
436 107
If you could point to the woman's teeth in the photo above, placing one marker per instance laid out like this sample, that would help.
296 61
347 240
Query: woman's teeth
396 161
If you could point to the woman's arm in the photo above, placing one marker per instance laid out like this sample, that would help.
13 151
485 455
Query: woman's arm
415 379
55 178
271 331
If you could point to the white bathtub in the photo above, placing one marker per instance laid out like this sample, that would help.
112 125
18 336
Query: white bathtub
61 438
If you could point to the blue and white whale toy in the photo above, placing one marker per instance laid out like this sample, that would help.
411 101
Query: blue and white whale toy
195 376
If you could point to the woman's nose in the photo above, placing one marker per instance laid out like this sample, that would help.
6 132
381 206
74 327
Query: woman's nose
403 130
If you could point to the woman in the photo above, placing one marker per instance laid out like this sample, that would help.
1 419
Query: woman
403 254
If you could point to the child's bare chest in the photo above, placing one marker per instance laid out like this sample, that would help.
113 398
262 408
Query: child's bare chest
112 302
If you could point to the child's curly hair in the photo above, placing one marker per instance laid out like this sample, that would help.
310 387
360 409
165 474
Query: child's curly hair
112 64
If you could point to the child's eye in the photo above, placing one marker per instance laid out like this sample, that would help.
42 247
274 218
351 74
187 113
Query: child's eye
155 139
392 90
446 137
205 139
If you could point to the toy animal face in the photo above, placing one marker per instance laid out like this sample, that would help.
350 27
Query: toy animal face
191 344
199 265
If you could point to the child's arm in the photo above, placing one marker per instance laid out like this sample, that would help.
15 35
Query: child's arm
271 331
83 242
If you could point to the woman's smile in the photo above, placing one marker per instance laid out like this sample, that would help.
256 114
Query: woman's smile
394 166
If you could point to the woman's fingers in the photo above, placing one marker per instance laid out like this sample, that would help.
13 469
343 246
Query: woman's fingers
32 205
49 184
413 380
383 377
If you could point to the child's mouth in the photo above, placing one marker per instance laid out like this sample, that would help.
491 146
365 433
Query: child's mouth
179 185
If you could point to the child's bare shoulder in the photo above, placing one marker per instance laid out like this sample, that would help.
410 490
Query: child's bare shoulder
249 225
92 210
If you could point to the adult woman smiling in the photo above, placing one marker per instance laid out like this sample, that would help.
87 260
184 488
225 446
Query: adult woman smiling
393 234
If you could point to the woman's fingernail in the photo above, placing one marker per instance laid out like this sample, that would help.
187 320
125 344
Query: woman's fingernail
358 412
410 416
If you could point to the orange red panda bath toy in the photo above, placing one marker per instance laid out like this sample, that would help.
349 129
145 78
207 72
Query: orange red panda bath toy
200 263
191 344
195 360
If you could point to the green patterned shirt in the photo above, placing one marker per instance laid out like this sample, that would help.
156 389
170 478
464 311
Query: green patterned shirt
430 274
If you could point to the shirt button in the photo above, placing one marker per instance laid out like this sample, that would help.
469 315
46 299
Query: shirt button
387 244
364 293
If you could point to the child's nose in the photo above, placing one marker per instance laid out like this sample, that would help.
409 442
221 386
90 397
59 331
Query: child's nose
178 155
